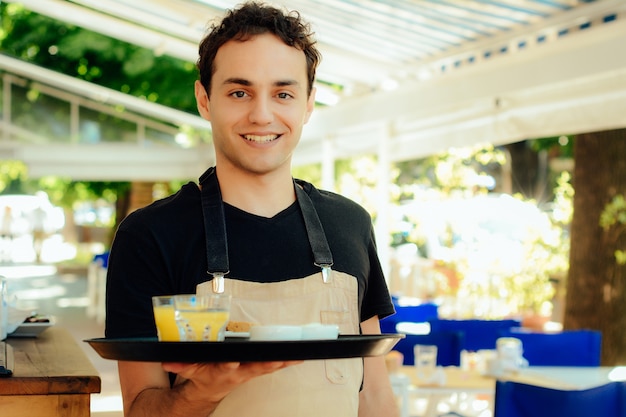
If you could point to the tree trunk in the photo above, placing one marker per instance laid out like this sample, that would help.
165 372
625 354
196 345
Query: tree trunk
596 290
525 170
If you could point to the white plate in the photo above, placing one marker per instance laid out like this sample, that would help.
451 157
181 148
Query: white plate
275 332
30 329
242 335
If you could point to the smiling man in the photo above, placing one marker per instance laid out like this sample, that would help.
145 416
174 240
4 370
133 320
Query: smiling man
289 253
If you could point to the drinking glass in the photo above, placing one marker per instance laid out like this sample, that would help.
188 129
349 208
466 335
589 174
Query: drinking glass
202 317
164 318
425 361
509 351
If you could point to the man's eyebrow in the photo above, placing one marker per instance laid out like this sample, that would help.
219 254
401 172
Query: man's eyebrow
285 83
240 81
248 83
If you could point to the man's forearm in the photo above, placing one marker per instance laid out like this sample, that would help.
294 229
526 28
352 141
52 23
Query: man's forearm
376 398
183 400
378 403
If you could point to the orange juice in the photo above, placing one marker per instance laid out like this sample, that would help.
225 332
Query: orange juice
166 323
202 317
218 320
202 325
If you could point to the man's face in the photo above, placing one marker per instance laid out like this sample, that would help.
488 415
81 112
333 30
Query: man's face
258 103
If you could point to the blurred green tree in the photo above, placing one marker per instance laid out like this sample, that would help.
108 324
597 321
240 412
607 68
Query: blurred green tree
96 58
99 59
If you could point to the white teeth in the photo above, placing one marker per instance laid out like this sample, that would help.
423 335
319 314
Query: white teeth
260 139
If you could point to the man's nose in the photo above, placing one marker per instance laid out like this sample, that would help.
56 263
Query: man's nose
261 112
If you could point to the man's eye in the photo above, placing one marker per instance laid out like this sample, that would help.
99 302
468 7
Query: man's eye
238 94
284 95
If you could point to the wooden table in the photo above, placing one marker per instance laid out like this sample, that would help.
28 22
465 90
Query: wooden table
566 378
456 381
52 376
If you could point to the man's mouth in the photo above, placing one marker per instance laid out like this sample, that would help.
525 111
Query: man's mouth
261 139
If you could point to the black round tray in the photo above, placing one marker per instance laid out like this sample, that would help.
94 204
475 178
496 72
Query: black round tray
243 350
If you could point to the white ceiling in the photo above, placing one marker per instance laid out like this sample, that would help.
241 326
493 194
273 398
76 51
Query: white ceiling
419 76
368 45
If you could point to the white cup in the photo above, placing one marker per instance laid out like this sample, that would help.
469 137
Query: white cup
510 353
425 361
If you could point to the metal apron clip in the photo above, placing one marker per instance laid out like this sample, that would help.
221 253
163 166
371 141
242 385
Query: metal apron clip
326 272
217 282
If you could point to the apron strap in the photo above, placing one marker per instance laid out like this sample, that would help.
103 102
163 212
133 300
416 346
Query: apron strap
317 238
215 230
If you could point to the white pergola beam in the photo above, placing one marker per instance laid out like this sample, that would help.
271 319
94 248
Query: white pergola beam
505 97
112 162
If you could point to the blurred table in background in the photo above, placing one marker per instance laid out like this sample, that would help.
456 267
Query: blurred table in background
530 392
52 376
566 377
562 391
458 386
456 379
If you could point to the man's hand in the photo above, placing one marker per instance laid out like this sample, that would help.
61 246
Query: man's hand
216 380
197 391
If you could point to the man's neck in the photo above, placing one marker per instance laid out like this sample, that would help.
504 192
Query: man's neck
262 195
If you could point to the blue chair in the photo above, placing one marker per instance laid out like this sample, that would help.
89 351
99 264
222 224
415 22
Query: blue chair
448 347
96 286
567 348
413 314
478 334
514 399
103 258
388 325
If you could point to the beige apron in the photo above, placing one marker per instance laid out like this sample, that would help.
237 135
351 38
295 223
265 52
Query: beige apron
328 388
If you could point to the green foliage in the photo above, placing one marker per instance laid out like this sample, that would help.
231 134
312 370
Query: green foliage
358 178
614 212
560 145
547 256
96 58
311 173
500 288
563 209
460 170
62 192
66 192
13 178
613 218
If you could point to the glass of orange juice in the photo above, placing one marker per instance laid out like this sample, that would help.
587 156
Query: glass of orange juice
202 317
164 317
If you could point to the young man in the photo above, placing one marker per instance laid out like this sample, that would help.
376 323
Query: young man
257 69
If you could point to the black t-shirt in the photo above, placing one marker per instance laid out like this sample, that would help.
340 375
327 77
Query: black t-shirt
160 250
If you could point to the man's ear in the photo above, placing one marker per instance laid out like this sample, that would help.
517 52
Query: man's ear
310 105
202 100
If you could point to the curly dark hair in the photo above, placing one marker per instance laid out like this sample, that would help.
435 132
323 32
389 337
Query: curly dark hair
252 19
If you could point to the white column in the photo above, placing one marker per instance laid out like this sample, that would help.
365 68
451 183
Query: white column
74 121
382 227
328 164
